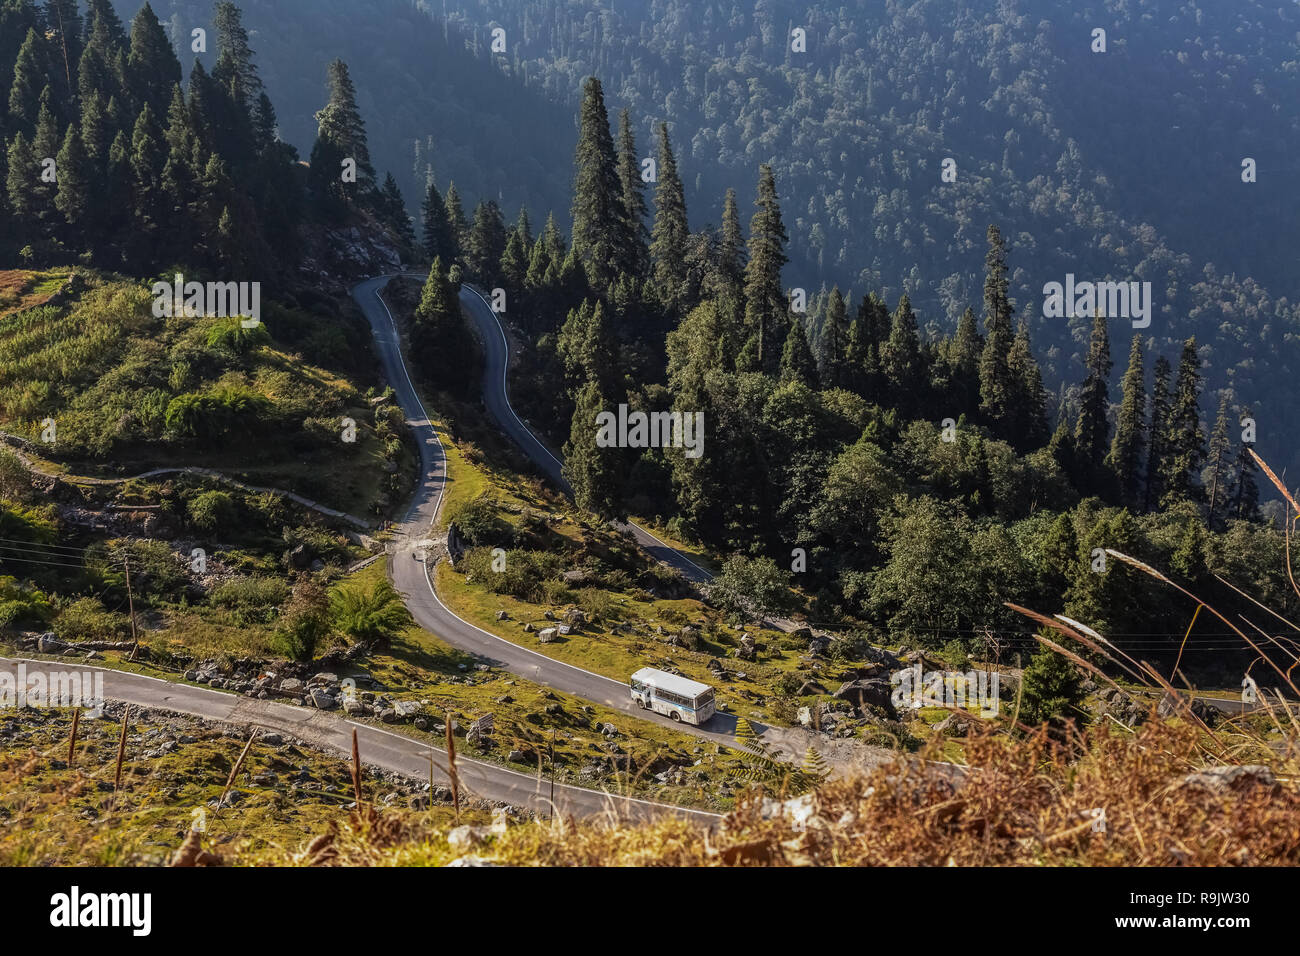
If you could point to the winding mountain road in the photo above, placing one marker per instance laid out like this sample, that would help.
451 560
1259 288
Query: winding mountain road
377 747
410 575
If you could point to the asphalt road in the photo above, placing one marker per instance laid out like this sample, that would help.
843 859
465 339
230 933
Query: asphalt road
496 346
410 576
377 747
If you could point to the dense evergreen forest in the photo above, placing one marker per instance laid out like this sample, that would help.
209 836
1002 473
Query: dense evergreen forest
912 477
1102 165
908 481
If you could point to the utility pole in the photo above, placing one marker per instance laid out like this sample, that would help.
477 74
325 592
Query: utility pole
551 754
130 601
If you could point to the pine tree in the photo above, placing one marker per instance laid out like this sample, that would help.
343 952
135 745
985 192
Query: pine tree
524 228
102 12
392 207
586 347
797 363
1125 458
63 20
458 224
964 359
96 68
21 174
487 243
17 20
1185 440
835 341
148 158
593 471
997 391
1028 414
1158 449
73 197
600 225
1217 483
731 246
766 310
30 78
514 263
440 340
45 145
235 67
553 239
341 135
636 258
1061 446
151 65
437 228
1244 494
669 235
900 358
1093 429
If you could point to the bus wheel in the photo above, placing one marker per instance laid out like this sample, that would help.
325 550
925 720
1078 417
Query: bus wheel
676 716
642 704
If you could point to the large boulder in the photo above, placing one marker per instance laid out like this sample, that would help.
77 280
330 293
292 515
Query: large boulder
323 700
1224 780
1169 707
868 692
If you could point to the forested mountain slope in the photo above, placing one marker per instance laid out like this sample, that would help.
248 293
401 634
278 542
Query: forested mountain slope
1104 165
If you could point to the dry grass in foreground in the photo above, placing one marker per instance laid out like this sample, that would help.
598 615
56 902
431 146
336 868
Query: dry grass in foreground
1110 797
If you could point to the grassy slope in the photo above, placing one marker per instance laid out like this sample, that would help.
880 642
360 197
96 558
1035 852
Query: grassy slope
55 815
105 369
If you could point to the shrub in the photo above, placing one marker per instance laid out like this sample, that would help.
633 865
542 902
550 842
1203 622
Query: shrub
753 587
845 647
524 577
370 616
1051 689
597 604
787 684
23 607
479 522
212 510
306 621
86 619
251 599
229 335
216 415
555 591
673 615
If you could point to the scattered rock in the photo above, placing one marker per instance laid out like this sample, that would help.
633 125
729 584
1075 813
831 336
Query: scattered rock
871 692
1224 780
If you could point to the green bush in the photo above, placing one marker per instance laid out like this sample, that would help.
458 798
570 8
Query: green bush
217 415
788 684
372 616
1051 690
86 619
229 335
524 577
22 607
597 604
251 599
212 510
479 522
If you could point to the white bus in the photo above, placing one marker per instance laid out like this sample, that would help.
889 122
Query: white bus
672 696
